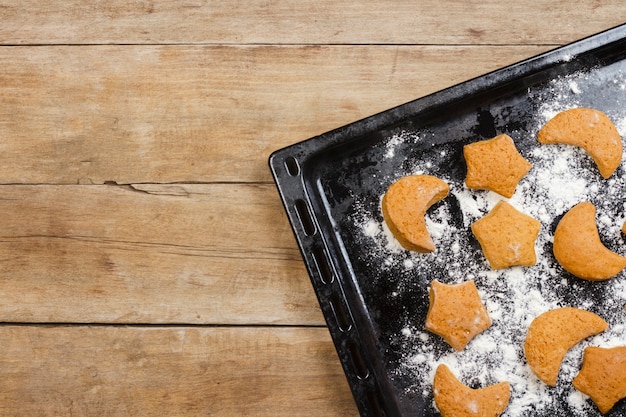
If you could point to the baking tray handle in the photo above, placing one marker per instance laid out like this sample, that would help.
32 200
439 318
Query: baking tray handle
287 171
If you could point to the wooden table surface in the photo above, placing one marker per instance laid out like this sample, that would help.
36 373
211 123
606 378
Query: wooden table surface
146 265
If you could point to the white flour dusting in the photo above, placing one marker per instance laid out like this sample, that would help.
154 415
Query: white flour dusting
561 177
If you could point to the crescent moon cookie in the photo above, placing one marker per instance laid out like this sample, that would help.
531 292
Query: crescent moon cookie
495 164
589 129
404 206
456 313
552 334
507 236
578 248
454 399
603 376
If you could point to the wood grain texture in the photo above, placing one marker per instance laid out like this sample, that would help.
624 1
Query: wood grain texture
219 254
305 22
129 114
182 371
182 102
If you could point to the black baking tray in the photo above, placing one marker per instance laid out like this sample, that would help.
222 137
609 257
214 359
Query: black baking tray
318 180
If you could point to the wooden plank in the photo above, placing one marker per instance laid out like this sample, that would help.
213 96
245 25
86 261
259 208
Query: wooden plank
295 21
120 371
201 113
219 254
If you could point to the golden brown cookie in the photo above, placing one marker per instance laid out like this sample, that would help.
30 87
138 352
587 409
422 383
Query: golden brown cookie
456 313
589 129
578 248
454 399
404 206
507 236
495 164
603 376
552 334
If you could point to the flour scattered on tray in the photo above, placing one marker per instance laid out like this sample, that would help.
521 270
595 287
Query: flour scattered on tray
561 177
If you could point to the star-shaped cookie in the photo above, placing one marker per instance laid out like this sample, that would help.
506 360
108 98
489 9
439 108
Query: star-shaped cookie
453 398
495 164
507 236
603 376
456 313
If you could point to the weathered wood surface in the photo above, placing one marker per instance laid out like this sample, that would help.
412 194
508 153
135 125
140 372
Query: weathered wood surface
181 289
306 22
205 254
172 371
90 114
